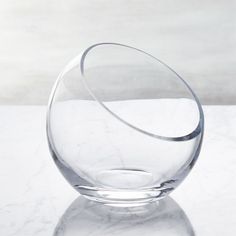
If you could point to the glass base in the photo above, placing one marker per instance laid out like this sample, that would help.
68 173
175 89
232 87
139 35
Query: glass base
123 197
124 187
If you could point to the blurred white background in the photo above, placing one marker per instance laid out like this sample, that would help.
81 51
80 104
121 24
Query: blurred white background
196 38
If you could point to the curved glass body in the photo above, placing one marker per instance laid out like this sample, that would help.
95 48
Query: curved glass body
122 126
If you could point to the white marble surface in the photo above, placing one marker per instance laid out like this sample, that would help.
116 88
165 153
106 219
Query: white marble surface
34 197
196 38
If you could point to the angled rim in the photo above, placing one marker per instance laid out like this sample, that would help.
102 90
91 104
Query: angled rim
79 60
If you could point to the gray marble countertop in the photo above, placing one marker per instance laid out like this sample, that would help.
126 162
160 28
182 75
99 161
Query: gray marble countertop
36 200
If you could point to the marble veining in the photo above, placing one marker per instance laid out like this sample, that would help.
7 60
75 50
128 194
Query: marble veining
34 197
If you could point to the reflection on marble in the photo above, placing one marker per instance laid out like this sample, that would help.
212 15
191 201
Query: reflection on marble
85 217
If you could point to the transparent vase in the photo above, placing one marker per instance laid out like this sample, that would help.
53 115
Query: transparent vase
122 126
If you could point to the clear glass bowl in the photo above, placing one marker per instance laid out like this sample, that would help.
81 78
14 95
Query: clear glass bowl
122 126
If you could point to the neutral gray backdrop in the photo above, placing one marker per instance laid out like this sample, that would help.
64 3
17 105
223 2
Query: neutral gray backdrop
38 37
